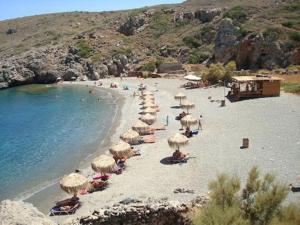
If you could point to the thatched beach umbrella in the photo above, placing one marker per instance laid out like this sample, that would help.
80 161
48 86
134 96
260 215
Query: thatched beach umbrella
149 110
188 121
148 118
147 101
180 96
141 127
178 140
73 182
149 105
148 97
103 164
145 93
131 137
187 105
121 149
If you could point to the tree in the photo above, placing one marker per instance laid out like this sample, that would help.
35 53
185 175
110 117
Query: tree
259 204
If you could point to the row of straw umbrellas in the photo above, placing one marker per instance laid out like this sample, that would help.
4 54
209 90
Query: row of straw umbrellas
104 164
178 140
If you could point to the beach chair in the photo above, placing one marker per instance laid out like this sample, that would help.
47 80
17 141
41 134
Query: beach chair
148 139
158 127
173 160
101 177
64 210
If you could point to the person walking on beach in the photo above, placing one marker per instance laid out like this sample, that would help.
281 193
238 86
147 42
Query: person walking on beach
199 123
167 120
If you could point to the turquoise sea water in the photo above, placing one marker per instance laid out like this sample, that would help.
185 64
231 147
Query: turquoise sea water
46 131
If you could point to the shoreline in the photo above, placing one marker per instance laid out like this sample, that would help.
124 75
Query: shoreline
51 189
216 149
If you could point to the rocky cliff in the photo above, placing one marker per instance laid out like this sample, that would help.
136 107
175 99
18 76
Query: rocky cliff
69 46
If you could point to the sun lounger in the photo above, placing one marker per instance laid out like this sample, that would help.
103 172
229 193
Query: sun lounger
64 210
94 186
101 177
148 139
67 201
173 160
158 127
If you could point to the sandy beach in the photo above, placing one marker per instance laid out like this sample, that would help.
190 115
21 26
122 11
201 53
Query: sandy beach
271 124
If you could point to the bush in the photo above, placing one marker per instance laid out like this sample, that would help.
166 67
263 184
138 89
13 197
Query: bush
161 23
198 57
288 24
271 34
150 66
236 13
191 42
293 7
259 204
291 87
84 49
295 36
122 51
242 32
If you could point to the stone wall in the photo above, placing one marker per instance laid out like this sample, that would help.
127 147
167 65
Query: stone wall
154 212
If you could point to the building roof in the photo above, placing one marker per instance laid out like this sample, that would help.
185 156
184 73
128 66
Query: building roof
256 78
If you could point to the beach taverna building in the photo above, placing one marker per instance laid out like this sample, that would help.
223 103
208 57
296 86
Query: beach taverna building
254 86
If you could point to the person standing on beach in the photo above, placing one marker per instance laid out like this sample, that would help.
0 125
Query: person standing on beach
167 120
199 123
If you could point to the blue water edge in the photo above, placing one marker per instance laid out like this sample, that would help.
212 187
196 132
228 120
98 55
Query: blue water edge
45 131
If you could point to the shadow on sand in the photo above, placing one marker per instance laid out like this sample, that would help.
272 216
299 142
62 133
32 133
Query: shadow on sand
175 107
171 161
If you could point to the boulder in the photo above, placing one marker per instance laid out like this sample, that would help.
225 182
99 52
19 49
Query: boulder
47 76
91 73
21 213
112 69
3 85
131 24
123 59
70 74
207 15
11 31
103 71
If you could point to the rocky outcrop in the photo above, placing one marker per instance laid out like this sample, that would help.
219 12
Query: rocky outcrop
207 15
135 212
21 213
253 51
226 41
11 31
131 24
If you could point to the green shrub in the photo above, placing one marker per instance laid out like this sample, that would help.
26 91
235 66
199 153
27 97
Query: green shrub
242 32
271 34
122 51
295 36
198 56
150 66
293 7
236 13
84 49
288 24
259 203
291 87
191 42
214 73
160 24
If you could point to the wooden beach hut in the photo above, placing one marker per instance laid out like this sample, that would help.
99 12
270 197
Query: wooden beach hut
254 86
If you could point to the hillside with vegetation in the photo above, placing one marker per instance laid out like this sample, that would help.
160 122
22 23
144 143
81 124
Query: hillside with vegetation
254 34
